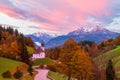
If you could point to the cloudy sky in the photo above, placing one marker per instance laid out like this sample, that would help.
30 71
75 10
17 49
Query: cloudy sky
59 16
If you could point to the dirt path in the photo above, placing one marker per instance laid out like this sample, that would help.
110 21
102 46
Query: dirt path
42 74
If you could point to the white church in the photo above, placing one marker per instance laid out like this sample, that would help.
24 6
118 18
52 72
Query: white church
39 53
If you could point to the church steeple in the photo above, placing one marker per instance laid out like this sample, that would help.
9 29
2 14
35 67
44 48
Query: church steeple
42 44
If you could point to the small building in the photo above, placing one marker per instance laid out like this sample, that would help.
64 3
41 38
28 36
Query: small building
39 53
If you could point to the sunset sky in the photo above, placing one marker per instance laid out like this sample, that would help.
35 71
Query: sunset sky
59 16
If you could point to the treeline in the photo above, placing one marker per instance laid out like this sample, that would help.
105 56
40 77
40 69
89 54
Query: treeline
95 49
13 44
92 48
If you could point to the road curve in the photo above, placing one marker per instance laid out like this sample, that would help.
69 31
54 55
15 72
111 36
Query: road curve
42 74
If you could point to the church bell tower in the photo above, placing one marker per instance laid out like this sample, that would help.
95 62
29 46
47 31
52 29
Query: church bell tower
42 44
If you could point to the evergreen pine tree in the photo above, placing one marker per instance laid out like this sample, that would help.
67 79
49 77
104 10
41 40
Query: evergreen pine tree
0 35
110 73
30 69
16 32
22 47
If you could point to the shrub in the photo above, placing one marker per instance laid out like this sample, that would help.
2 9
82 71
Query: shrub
41 65
52 67
6 74
18 74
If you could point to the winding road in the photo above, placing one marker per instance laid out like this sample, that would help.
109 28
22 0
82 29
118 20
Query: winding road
42 74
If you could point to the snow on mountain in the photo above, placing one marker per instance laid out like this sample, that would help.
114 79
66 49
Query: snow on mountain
38 43
95 33
89 29
39 34
39 37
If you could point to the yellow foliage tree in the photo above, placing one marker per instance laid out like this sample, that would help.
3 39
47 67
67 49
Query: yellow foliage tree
14 48
78 64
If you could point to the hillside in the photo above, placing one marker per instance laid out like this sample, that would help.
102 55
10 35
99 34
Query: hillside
114 55
12 65
14 45
8 64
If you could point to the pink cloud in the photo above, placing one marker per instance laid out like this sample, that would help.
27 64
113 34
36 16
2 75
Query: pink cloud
8 10
90 6
57 14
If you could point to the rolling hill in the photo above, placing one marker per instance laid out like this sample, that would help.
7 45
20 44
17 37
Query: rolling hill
114 55
8 64
12 65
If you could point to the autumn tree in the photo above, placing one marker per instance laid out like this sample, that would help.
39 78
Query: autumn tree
14 49
29 42
93 50
78 64
53 53
117 40
110 73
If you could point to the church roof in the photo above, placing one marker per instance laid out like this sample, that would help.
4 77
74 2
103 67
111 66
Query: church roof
39 49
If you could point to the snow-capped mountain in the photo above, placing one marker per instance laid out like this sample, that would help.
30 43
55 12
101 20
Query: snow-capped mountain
94 33
90 29
39 37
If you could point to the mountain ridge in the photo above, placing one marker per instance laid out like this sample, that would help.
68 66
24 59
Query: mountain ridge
39 37
95 33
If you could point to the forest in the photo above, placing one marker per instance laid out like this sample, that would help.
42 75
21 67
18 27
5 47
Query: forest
14 45
82 61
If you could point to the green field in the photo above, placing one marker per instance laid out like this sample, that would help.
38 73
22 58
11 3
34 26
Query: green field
114 55
44 61
11 65
8 64
7 79
57 76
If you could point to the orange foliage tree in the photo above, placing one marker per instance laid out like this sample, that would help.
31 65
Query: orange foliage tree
78 63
